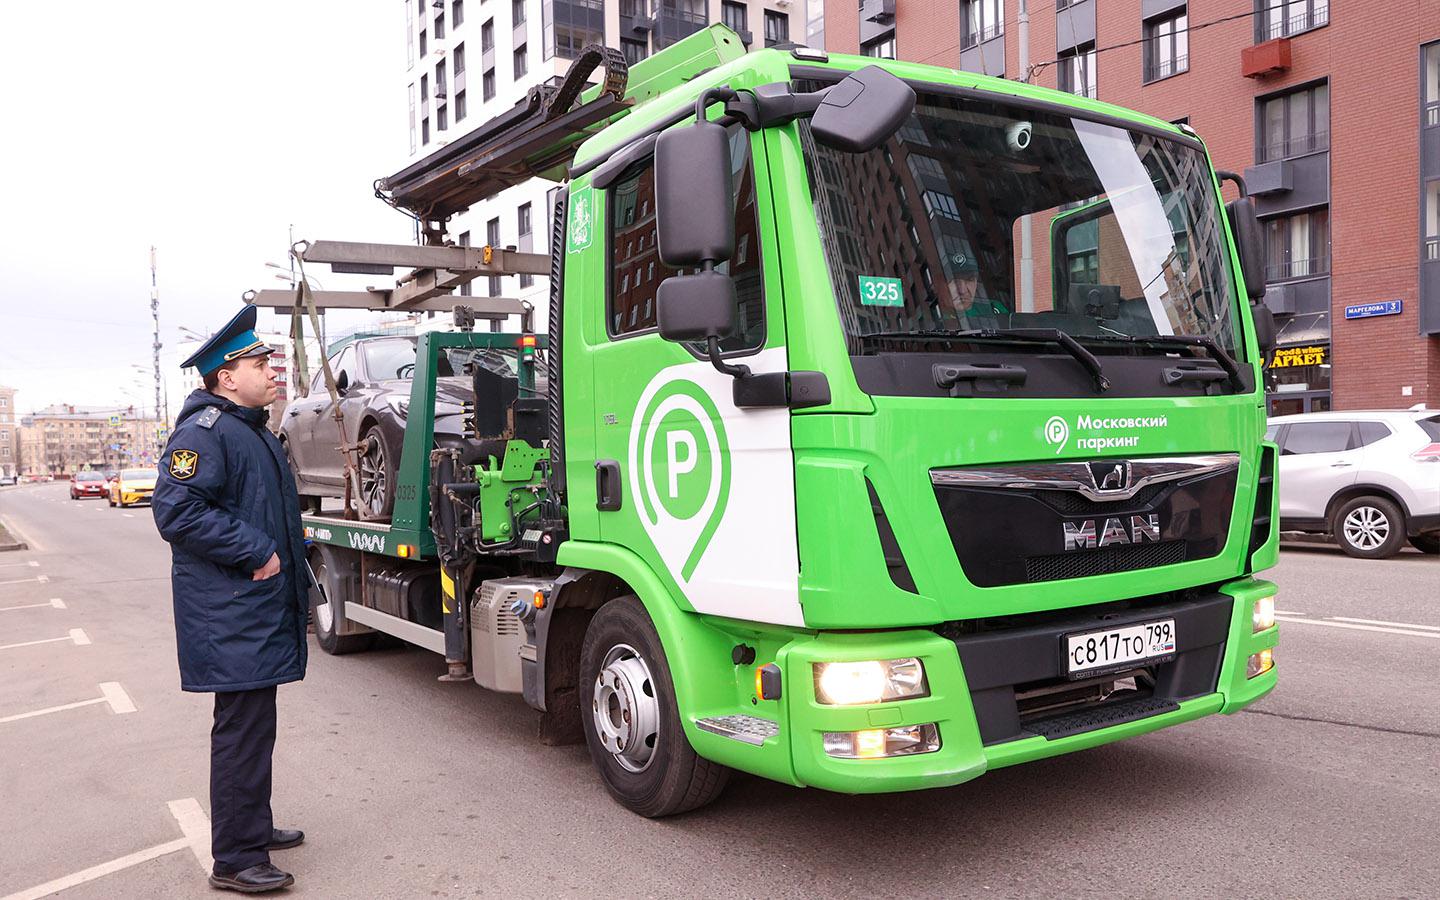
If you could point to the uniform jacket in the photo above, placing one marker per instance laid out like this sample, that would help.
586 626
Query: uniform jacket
225 500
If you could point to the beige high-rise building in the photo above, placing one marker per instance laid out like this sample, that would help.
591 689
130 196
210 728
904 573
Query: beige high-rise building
64 439
9 435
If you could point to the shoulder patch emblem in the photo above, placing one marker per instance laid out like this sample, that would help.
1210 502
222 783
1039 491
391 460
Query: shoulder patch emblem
208 418
183 463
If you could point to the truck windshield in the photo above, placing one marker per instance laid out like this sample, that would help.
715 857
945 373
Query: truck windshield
924 236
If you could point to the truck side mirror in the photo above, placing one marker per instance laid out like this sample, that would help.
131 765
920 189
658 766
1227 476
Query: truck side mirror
1264 326
694 203
862 111
696 307
1249 244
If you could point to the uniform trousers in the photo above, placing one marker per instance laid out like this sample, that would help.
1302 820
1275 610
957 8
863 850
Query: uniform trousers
242 741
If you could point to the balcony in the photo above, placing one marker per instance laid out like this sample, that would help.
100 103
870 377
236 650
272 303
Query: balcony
1291 25
1298 268
975 38
1164 68
1297 146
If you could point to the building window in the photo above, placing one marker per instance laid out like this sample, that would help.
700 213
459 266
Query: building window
459 59
424 44
412 117
522 61
1294 124
523 224
1432 219
457 13
424 89
1064 4
492 239
517 11
424 131
464 241
487 36
460 110
734 17
634 50
1077 72
1297 246
1282 18
881 48
487 84
582 23
440 89
1167 46
777 28
1432 85
439 26
981 20
636 272
442 120
409 37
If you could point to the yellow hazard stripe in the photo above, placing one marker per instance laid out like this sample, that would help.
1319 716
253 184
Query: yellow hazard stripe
447 584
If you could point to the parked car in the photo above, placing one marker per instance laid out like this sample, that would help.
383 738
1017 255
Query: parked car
375 376
133 486
87 484
1369 478
8 480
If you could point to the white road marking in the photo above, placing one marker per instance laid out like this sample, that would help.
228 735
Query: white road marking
128 515
120 702
76 635
58 603
100 871
19 565
1383 622
43 579
1424 634
196 826
111 693
50 604
38 580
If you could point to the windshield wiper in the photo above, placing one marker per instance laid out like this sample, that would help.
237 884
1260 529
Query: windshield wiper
1021 335
1204 342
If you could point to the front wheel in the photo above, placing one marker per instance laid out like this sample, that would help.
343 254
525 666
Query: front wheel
633 725
376 490
328 613
1369 528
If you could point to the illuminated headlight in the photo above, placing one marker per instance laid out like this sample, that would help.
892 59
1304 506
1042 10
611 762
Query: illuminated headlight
870 681
1263 614
880 743
1260 663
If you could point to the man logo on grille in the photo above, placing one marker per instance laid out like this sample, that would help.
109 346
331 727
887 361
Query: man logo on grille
1110 476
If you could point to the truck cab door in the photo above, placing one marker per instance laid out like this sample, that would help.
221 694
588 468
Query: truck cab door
1317 460
704 491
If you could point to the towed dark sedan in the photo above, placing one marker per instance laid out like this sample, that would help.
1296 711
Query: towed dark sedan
375 377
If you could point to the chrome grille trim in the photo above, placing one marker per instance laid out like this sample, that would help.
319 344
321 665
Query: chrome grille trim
1078 476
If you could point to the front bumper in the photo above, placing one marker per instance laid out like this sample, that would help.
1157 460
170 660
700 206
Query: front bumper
972 683
138 496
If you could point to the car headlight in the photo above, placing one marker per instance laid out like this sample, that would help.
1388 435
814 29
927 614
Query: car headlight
401 405
869 681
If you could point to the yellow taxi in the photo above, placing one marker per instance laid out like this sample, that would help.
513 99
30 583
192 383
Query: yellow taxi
132 486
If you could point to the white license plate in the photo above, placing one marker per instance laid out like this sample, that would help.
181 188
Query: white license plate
1117 647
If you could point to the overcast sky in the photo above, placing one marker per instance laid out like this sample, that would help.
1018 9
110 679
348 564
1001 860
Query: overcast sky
204 129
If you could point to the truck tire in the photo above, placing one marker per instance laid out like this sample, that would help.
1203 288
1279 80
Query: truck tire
1369 527
632 725
329 616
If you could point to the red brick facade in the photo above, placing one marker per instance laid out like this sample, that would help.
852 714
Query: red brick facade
1370 55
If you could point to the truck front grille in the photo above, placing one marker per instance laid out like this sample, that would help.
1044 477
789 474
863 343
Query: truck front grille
1057 566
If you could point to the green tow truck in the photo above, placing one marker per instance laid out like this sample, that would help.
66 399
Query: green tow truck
892 424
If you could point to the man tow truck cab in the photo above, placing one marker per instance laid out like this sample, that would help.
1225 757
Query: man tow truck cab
900 424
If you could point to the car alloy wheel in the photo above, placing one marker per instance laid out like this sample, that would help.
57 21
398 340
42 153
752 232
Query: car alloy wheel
1366 528
373 475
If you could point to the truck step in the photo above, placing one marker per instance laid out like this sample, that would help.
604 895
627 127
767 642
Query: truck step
746 729
1100 717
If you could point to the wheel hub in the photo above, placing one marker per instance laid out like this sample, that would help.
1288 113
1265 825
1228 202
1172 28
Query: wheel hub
1366 527
625 710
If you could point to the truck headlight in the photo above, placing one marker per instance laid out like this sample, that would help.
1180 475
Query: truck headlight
1260 663
1262 616
870 681
880 743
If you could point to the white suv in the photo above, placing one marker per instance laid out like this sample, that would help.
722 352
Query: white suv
1370 478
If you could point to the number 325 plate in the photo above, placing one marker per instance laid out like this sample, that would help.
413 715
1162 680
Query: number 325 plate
1094 652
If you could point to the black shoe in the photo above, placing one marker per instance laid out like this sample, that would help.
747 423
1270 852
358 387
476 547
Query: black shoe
254 880
285 838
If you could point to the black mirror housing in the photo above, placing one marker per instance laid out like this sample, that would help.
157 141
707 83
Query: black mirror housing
694 203
862 111
696 307
342 382
1249 244
1264 327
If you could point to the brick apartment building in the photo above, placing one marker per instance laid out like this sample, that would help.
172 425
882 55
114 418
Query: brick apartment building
1330 109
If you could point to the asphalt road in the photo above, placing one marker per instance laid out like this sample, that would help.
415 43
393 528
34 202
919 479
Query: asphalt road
408 787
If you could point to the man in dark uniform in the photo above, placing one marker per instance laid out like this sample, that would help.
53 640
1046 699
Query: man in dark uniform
963 308
226 502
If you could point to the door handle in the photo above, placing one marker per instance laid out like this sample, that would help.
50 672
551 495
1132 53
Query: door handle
607 485
293 413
